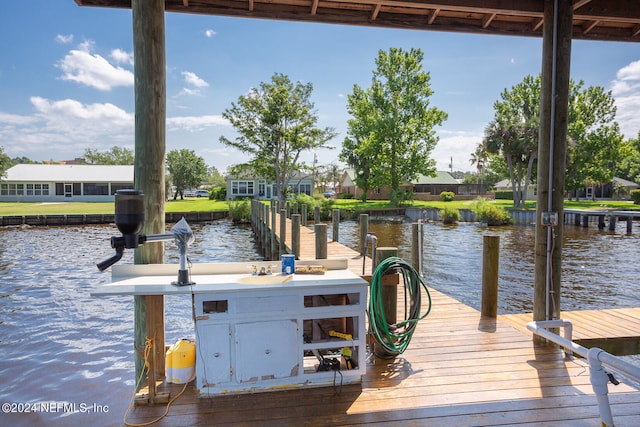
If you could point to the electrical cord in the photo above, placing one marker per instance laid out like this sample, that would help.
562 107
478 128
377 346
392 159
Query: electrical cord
395 338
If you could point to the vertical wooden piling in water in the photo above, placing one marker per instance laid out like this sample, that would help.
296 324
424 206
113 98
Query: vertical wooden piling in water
364 229
335 219
601 224
295 235
629 224
490 261
283 231
612 222
316 215
321 241
416 246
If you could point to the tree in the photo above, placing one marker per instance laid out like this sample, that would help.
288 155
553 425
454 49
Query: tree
115 156
594 140
186 170
479 158
276 122
513 133
5 163
629 166
391 135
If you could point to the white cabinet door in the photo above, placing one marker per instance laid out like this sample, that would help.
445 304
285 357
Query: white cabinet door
266 350
213 353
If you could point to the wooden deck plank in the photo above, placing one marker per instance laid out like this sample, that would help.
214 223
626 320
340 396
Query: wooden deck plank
460 370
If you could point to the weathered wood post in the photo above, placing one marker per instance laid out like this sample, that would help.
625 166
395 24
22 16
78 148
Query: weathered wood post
316 215
295 235
321 240
267 233
576 219
601 224
389 294
272 232
612 222
585 221
417 232
335 219
490 262
288 208
629 224
364 229
149 174
304 214
283 231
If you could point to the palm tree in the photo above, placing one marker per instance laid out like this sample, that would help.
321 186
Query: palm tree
479 158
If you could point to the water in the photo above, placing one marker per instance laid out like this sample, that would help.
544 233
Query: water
58 344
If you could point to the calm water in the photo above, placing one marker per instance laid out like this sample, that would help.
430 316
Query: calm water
58 344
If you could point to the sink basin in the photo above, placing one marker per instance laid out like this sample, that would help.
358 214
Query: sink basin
269 279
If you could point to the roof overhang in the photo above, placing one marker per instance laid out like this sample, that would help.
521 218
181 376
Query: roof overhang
613 20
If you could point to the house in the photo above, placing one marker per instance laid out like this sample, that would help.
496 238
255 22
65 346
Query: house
505 185
618 188
424 187
64 183
262 189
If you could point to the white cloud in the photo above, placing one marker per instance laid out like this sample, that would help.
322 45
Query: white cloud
15 119
626 91
457 145
193 80
93 70
195 123
122 57
64 38
209 33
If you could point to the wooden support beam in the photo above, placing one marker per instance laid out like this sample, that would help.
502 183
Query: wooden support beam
579 3
149 174
314 7
375 12
251 5
588 26
537 24
432 16
636 31
486 20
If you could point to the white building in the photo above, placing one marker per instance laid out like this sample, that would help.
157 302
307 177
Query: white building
64 183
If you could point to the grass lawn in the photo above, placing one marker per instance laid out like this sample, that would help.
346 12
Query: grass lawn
186 205
205 205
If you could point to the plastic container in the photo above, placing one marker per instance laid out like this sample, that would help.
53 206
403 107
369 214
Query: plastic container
288 264
180 362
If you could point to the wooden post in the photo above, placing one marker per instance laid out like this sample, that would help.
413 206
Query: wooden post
490 262
612 222
389 294
149 174
629 224
283 231
316 215
364 229
295 235
335 219
554 105
304 214
321 240
288 208
272 232
576 219
267 233
585 221
416 246
601 224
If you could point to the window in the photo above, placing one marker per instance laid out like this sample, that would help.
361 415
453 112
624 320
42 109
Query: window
96 189
305 188
116 187
37 189
12 189
242 188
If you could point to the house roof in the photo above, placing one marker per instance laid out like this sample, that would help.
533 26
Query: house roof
626 183
69 173
443 177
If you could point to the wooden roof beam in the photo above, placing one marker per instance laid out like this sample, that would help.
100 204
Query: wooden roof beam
185 3
376 10
251 5
636 31
314 7
537 24
580 3
486 20
588 26
432 16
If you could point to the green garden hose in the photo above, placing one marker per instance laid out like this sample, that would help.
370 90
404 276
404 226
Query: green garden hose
395 338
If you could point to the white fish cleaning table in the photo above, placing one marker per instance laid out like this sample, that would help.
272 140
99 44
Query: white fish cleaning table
261 333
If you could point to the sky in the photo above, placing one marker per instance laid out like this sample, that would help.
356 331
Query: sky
66 78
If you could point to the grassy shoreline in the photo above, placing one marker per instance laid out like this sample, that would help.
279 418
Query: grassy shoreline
205 205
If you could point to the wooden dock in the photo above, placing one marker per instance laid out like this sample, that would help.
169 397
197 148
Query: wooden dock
460 369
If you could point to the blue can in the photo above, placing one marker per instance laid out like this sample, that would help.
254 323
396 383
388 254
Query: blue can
288 264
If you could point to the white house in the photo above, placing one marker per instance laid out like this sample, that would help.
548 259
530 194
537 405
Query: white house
257 188
64 183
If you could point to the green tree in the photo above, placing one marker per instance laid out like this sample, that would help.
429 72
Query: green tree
391 135
277 123
513 133
186 170
214 177
115 156
594 140
5 163
629 166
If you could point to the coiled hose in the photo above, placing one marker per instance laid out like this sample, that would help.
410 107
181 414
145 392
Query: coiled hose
395 338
